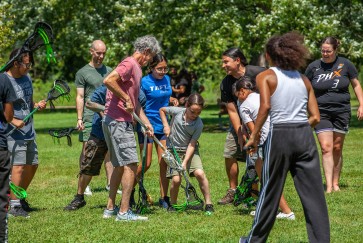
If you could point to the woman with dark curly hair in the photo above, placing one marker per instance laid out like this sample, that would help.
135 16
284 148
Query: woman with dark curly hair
330 77
289 98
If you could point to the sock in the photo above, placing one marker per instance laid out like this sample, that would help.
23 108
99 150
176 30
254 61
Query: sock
15 203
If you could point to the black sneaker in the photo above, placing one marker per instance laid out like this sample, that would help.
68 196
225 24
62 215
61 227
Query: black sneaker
171 209
25 205
209 209
18 211
76 203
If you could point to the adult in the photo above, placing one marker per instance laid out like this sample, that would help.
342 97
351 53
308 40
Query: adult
330 77
21 143
123 85
183 86
157 91
88 78
7 97
236 66
288 97
197 87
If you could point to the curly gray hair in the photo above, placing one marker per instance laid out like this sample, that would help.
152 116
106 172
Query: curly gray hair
147 42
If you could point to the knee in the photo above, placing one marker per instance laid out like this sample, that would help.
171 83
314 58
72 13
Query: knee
176 181
326 148
199 174
337 148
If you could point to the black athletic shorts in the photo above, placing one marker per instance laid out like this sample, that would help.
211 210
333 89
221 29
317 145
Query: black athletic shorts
333 122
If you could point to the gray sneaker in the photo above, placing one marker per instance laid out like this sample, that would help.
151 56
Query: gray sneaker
110 213
18 211
129 216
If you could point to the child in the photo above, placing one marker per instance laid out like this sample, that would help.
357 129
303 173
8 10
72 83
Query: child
248 109
186 128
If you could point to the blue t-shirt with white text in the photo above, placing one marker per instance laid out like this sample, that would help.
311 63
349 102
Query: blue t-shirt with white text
157 92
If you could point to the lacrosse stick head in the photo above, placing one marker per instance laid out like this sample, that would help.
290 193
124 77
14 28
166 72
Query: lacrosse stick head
194 202
244 192
59 133
42 35
60 88
142 206
18 191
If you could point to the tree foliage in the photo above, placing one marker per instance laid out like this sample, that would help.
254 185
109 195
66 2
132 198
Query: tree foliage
193 33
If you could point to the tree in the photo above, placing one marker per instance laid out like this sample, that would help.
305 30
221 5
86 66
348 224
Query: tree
193 33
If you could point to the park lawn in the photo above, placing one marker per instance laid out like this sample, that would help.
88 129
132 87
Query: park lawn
55 184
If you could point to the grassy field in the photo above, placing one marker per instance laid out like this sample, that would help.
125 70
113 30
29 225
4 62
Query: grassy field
56 180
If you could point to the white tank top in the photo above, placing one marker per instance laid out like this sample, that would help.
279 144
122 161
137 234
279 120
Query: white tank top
289 101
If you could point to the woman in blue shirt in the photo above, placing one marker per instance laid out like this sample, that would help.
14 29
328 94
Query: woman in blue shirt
157 89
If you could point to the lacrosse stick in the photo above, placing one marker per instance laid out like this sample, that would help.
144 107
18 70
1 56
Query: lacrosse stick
142 205
18 191
60 88
41 36
193 200
63 132
244 192
166 155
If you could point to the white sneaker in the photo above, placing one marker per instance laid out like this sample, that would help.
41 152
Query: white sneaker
118 190
88 191
289 216
130 216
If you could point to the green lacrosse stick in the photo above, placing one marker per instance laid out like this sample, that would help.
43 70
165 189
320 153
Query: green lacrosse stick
49 50
18 191
60 88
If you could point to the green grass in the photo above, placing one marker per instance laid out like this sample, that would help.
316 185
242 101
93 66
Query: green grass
56 180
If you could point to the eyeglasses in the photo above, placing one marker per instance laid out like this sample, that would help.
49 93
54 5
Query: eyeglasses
27 65
162 70
326 51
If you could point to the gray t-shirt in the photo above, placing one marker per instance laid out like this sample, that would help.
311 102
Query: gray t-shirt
183 132
23 105
248 111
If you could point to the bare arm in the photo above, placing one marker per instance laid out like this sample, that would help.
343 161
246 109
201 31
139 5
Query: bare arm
162 112
179 90
94 106
313 110
266 83
8 111
189 153
79 107
235 120
174 101
359 93
111 83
